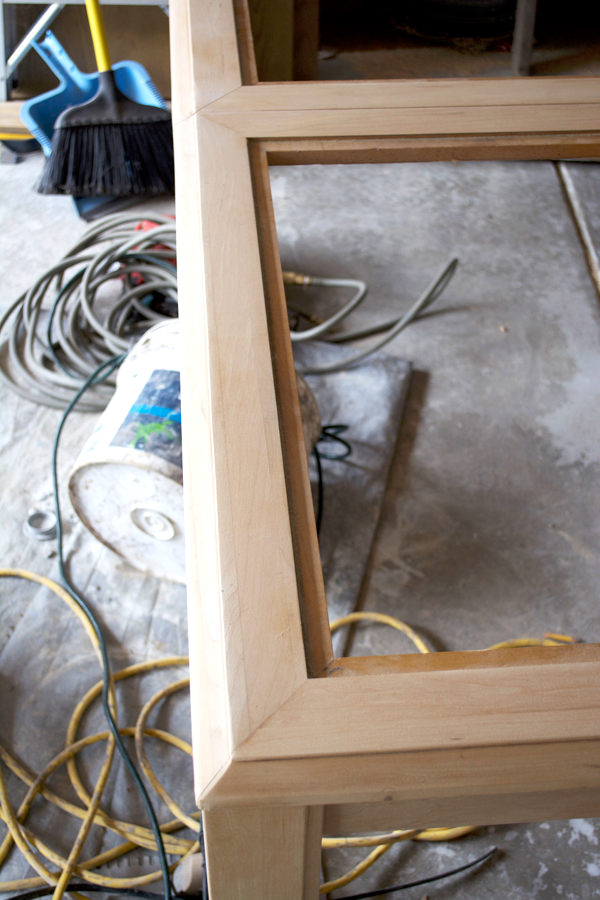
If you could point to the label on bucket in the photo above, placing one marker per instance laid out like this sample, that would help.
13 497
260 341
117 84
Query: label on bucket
153 424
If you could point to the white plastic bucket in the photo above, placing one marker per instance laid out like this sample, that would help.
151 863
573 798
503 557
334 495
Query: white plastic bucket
127 483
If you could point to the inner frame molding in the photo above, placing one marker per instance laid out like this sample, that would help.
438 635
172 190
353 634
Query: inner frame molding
281 730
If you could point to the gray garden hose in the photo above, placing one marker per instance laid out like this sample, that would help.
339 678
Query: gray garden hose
58 332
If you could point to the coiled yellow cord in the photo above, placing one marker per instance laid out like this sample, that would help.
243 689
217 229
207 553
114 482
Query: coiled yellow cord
384 620
90 813
134 836
385 841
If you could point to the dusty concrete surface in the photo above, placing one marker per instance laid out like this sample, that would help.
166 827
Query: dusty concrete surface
35 229
426 61
46 662
490 527
366 39
369 402
143 617
491 523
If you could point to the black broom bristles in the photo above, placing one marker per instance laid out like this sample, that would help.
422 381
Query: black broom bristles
112 146
93 160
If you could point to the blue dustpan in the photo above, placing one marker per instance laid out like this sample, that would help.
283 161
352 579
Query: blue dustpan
40 113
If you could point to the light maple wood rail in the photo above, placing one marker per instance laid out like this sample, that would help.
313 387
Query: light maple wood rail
288 741
421 778
521 146
410 93
384 121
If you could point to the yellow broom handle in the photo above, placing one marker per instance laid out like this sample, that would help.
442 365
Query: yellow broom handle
98 35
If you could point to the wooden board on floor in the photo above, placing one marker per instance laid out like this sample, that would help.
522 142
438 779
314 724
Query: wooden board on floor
10 121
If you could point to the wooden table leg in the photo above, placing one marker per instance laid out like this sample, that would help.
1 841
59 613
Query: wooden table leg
263 853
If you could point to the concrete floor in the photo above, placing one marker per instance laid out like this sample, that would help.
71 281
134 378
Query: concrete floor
373 39
417 58
490 527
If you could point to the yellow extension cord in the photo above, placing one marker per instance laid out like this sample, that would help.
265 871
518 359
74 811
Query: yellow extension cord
383 842
135 836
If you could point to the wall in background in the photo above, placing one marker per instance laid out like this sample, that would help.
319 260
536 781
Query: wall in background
140 33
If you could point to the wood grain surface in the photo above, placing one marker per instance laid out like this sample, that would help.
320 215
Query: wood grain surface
9 117
463 737
245 632
523 146
411 93
418 777
388 121
311 590
431 710
262 852
482 809
205 63
463 659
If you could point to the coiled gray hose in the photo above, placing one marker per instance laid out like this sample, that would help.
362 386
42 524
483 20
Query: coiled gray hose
58 332
393 329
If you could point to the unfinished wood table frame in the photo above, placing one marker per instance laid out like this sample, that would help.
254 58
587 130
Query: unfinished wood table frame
289 742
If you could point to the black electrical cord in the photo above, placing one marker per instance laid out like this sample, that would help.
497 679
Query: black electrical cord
102 372
411 884
331 434
90 888
204 867
147 895
317 456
